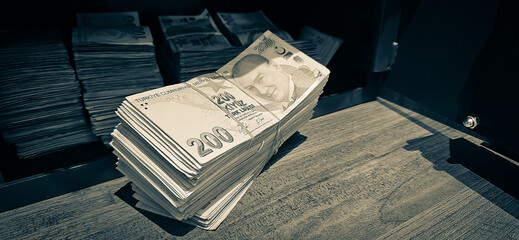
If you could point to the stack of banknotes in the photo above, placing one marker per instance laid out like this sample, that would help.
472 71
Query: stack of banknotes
244 28
194 44
193 149
108 19
111 63
326 45
40 105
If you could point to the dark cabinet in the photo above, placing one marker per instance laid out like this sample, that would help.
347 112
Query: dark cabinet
459 59
495 93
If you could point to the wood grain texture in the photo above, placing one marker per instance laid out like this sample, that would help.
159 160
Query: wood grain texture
375 170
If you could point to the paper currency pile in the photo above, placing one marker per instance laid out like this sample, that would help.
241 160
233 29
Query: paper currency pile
326 45
192 149
244 28
194 44
111 63
40 106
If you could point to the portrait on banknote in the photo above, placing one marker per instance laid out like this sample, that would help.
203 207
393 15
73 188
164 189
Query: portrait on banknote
279 84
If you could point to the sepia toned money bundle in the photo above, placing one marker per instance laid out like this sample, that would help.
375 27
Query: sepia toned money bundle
114 57
41 108
193 149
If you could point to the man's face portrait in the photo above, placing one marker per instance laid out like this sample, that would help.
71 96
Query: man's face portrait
263 78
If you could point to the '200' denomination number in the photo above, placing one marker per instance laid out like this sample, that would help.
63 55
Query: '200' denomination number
212 140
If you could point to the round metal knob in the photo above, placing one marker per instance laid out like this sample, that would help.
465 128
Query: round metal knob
471 122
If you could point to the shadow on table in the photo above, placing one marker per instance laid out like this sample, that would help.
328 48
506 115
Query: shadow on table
488 165
172 226
491 167
290 144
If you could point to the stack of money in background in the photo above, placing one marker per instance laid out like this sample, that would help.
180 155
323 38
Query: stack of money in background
111 63
192 149
244 28
108 19
326 45
40 99
195 46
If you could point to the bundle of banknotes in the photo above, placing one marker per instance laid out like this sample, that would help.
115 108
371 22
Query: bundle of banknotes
243 28
111 63
40 106
326 45
194 45
193 149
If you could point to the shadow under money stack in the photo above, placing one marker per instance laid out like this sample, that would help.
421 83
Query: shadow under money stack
112 63
40 106
193 149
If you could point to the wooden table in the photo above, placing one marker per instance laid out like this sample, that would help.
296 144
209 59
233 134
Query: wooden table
375 170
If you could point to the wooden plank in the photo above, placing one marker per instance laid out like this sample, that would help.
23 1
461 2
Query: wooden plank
372 170
465 215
